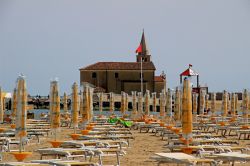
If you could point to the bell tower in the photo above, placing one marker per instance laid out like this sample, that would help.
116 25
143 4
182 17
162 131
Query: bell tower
142 51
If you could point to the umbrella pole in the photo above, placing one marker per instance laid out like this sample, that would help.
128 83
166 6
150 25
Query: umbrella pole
20 144
55 135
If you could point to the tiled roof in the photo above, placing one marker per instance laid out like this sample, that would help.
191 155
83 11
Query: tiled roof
158 79
120 66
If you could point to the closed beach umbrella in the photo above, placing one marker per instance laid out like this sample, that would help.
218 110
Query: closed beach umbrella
195 105
233 104
126 102
162 105
91 109
236 103
21 114
224 105
75 106
228 102
134 103
154 101
86 109
111 103
147 97
177 105
169 104
206 102
245 106
202 102
100 101
1 106
213 104
122 103
140 104
65 104
14 104
81 104
187 124
55 107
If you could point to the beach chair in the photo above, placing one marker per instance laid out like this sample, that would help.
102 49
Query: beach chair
181 158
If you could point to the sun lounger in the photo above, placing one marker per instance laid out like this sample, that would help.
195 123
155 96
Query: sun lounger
180 158
233 156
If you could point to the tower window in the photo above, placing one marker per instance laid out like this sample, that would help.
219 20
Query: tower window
116 75
94 75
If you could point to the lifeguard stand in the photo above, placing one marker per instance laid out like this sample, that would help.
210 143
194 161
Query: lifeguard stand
191 73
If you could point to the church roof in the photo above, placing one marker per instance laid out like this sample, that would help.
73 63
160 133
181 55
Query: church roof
158 79
120 66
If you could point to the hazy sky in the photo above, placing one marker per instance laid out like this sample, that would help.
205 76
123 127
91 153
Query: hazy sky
44 39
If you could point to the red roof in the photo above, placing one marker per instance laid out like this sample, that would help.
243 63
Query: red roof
189 72
120 66
158 79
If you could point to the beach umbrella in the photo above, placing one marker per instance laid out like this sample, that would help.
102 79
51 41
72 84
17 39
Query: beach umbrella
126 102
75 106
245 106
162 105
224 105
187 124
55 107
233 104
177 105
236 103
213 104
1 106
169 105
111 102
154 101
202 102
228 102
195 105
122 103
146 103
85 106
14 104
81 103
134 104
90 102
21 114
140 104
100 101
206 102
65 104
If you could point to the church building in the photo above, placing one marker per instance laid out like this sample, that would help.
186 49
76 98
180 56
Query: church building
125 76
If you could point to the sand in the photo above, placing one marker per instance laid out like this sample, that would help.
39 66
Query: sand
141 149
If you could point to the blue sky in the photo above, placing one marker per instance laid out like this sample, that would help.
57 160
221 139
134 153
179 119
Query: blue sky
44 39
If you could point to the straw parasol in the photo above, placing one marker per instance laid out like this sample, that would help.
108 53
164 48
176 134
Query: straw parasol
213 104
228 102
187 124
21 116
169 105
111 103
236 103
75 106
1 106
195 105
154 102
177 105
146 103
126 102
65 104
245 107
